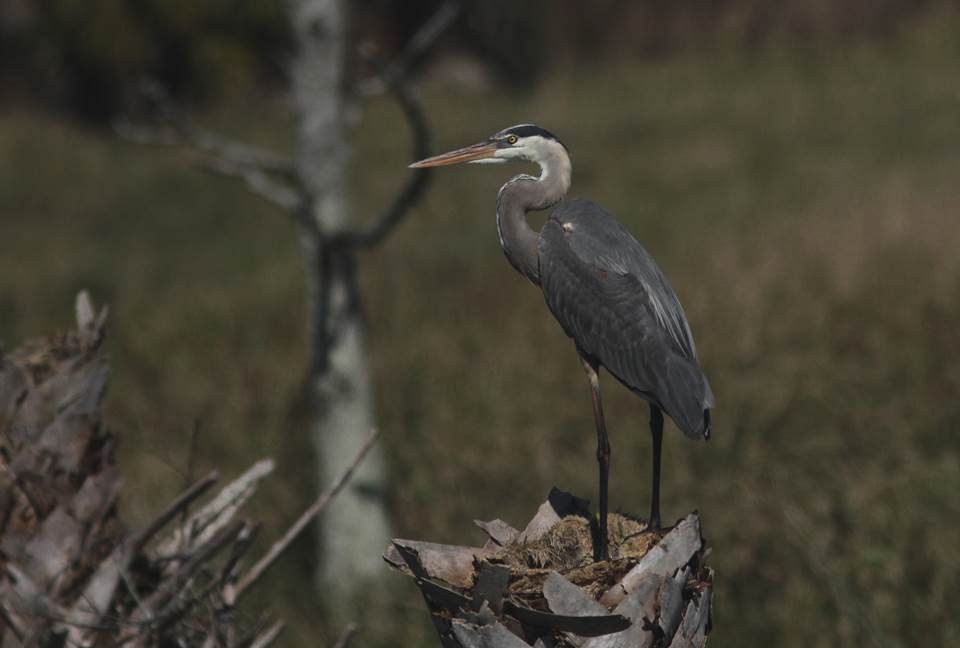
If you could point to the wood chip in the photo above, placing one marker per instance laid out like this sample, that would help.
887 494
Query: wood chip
490 636
498 531
564 597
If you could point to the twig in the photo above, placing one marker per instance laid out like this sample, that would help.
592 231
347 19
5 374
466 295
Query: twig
226 157
10 622
218 512
170 589
179 504
191 465
420 42
346 636
228 575
222 147
309 514
148 135
269 636
290 198
176 133
259 183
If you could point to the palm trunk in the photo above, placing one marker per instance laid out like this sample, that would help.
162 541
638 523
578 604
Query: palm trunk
541 586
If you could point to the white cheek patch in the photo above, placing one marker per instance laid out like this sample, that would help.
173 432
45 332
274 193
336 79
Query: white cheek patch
539 150
506 154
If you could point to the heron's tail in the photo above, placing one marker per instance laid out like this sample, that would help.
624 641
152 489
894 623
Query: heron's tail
706 425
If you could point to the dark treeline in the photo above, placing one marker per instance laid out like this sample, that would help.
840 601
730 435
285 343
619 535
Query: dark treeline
92 56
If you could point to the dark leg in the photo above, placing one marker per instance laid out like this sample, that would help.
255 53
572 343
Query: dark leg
600 552
656 430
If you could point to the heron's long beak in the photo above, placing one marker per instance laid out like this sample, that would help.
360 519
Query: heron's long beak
479 151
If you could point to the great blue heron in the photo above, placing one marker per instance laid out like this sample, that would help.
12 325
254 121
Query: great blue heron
605 290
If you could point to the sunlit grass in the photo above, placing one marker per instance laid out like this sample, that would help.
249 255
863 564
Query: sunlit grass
804 208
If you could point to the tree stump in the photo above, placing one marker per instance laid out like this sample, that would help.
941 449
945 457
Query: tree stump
541 587
71 574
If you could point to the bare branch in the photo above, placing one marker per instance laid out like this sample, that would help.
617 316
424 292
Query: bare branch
420 42
394 78
148 135
178 505
344 640
409 194
268 636
237 152
305 518
176 133
191 458
218 512
226 157
229 572
277 193
169 592
9 621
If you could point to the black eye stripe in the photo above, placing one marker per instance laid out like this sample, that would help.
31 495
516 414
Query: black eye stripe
526 130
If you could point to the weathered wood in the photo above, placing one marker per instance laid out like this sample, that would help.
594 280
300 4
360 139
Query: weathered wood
490 636
216 514
492 581
69 570
559 504
312 511
450 563
499 532
582 625
638 606
676 549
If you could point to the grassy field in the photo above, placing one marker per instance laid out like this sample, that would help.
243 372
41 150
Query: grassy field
805 206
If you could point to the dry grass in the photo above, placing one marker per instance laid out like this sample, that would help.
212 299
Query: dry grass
805 208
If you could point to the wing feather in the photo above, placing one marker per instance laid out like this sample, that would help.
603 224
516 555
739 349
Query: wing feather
611 297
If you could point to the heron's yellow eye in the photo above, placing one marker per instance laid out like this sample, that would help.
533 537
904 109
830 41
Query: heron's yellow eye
512 139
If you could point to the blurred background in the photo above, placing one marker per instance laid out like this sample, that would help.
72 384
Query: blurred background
792 165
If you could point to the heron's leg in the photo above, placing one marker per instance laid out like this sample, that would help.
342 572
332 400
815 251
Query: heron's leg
603 456
656 430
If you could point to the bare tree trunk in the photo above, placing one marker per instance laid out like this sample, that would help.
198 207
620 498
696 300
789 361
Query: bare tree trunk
356 526
336 403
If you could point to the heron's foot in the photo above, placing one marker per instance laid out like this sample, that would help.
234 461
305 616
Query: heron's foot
653 524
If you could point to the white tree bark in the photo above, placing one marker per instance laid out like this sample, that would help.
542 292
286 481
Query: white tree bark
356 526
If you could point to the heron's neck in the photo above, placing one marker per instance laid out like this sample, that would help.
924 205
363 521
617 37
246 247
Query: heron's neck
525 193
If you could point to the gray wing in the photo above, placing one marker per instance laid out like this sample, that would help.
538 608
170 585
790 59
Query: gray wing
611 297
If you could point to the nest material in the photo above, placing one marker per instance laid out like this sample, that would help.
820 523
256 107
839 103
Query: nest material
541 586
567 548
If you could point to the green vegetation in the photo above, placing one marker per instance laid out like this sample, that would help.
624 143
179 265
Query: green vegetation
804 206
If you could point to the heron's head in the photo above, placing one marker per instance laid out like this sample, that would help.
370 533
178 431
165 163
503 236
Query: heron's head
522 142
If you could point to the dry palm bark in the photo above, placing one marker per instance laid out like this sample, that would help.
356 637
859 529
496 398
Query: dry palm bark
71 573
541 587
